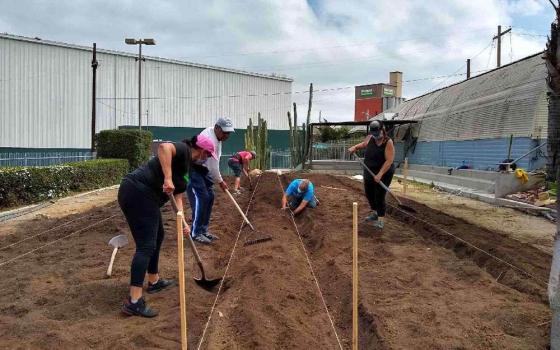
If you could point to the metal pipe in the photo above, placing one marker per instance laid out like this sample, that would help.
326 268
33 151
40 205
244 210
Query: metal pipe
525 155
140 85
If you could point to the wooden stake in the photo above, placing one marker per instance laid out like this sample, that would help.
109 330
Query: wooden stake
405 175
355 277
181 261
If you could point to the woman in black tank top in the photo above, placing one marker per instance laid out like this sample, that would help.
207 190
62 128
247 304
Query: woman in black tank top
379 157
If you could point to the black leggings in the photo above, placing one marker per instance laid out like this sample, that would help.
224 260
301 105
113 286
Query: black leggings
144 218
375 193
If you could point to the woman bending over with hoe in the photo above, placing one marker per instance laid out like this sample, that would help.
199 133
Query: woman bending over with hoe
141 195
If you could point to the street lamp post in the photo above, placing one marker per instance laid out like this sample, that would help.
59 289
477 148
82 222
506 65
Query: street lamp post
139 42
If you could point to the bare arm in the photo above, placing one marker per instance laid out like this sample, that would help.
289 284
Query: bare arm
301 206
166 152
389 158
360 145
284 201
245 166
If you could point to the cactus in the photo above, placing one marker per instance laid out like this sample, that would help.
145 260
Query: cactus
256 139
297 140
300 138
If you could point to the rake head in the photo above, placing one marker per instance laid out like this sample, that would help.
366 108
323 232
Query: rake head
257 241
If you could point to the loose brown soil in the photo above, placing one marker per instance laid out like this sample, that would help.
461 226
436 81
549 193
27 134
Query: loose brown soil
419 288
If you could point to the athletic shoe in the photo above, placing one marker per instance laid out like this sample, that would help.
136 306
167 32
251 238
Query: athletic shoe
236 192
140 308
372 217
378 225
202 239
160 285
210 236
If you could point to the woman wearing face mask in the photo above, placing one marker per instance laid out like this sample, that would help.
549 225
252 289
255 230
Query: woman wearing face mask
379 157
141 195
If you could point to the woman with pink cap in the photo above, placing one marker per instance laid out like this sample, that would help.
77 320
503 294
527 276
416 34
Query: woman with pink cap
141 195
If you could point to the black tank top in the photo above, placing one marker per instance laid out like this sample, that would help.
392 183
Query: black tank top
374 157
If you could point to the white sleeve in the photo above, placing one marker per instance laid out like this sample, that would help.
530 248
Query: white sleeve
213 166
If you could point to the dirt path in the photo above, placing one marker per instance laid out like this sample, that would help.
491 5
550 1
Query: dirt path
417 290
421 293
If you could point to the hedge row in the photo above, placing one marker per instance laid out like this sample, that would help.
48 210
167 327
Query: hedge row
132 144
25 185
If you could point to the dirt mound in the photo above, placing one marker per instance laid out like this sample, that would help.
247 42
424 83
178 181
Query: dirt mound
417 291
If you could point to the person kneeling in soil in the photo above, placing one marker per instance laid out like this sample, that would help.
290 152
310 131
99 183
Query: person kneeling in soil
379 157
299 195
238 163
141 195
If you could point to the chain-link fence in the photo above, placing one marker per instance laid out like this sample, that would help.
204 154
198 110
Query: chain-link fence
43 158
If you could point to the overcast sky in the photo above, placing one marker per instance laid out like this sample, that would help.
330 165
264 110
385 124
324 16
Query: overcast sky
336 44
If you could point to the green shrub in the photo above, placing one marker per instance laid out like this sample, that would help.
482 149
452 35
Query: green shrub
131 144
25 185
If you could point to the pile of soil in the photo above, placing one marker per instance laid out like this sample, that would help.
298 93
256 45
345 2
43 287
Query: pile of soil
417 290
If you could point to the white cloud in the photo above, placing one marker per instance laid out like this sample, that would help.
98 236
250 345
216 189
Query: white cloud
344 43
526 7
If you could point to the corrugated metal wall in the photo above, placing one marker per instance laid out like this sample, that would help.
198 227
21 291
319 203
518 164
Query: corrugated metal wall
509 100
45 94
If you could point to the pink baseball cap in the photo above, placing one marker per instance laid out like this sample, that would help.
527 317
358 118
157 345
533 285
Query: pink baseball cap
206 144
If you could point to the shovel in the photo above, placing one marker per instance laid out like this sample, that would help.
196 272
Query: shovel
253 241
203 282
116 242
402 206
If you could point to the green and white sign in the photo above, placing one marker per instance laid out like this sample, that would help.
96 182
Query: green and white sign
388 92
366 92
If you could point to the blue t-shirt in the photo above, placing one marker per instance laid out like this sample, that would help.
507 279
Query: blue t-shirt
292 190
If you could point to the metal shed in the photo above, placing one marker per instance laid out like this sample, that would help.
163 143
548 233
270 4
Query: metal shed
46 89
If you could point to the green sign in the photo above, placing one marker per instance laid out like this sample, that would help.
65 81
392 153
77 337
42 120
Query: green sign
388 92
366 92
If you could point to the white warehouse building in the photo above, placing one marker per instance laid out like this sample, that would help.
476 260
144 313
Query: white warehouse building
46 97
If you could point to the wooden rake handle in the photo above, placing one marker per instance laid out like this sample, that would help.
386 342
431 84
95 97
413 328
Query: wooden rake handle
240 210
181 267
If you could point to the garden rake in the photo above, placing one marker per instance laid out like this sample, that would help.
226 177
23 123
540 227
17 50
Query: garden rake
261 237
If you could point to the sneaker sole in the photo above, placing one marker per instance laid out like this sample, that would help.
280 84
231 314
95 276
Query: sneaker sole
127 312
160 289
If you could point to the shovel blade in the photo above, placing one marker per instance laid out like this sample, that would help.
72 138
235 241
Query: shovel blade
207 284
118 241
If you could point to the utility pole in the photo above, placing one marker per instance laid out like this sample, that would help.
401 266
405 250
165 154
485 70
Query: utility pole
499 38
139 59
468 68
94 65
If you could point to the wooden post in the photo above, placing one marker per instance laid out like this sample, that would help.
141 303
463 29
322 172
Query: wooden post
181 261
355 277
405 175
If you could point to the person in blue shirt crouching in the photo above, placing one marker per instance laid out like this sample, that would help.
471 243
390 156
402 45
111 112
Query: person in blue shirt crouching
299 195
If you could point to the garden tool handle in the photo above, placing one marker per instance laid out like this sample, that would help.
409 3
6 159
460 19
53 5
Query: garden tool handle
191 243
240 211
380 182
110 268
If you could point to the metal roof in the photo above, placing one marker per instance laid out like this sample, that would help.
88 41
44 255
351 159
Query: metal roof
505 101
128 54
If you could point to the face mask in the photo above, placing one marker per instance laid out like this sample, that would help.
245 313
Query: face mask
377 135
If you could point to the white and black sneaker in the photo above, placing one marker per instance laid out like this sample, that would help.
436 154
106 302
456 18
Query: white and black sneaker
140 308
